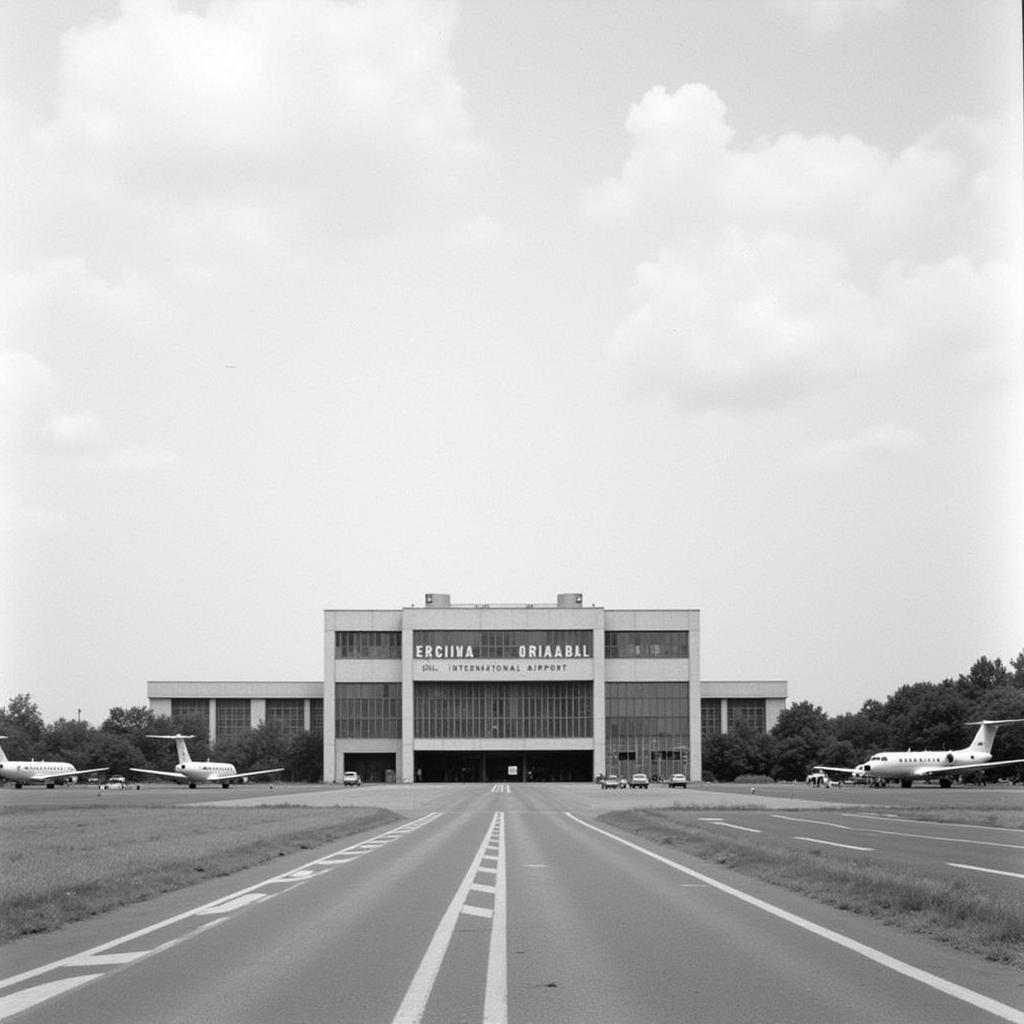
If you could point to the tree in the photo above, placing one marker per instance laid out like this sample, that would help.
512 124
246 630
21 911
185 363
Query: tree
136 719
21 718
741 751
262 747
802 734
304 758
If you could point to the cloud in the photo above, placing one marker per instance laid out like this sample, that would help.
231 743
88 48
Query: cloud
33 422
795 265
261 117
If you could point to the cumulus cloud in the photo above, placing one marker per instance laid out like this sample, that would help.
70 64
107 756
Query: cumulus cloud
317 116
33 421
796 264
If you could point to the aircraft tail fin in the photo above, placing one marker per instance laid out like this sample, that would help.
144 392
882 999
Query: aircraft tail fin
3 756
986 734
179 742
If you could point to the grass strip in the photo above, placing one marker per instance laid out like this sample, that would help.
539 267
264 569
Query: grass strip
966 917
62 866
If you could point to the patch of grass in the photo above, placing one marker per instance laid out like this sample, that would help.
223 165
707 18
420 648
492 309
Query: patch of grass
62 866
967 917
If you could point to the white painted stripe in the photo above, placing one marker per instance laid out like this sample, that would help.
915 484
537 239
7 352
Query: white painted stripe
842 846
477 911
110 959
740 828
496 993
477 887
17 1002
227 906
975 999
989 871
414 1003
811 821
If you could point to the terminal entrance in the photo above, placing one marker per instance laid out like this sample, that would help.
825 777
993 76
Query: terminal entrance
495 765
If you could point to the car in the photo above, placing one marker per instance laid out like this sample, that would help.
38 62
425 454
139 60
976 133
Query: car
351 779
639 781
610 782
679 779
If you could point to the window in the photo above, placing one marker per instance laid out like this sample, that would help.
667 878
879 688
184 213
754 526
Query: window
190 709
288 715
748 711
650 643
507 710
650 721
368 644
710 718
233 717
368 710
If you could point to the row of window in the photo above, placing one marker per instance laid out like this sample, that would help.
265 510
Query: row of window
368 644
503 710
749 711
514 643
234 714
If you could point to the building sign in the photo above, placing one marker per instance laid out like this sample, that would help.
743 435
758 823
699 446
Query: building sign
534 652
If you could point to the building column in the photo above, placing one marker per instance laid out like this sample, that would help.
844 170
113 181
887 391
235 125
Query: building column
330 726
599 712
406 757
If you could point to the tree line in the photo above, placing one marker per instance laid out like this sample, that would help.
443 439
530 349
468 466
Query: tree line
930 716
919 715
121 742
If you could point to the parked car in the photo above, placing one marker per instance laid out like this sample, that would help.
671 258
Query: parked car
679 779
351 779
639 781
610 782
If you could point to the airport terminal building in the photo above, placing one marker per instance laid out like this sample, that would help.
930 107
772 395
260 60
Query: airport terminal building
527 692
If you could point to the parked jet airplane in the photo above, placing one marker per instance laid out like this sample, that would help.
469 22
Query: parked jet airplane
908 765
41 773
195 772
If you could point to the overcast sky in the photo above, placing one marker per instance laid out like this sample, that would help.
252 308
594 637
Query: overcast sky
691 304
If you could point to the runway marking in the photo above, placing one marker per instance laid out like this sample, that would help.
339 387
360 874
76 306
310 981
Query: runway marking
842 846
811 821
229 905
501 787
989 871
16 1002
217 910
975 999
414 1003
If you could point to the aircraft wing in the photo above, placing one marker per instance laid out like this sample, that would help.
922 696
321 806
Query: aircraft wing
961 769
46 776
831 768
244 775
153 771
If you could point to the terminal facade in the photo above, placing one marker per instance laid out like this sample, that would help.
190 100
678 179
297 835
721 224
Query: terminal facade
449 692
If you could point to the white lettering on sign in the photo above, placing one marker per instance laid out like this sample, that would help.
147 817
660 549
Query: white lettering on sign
532 652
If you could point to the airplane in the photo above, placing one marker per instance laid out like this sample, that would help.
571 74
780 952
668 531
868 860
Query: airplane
908 765
194 772
43 773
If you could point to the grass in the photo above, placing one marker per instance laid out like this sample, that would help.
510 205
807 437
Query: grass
966 917
62 866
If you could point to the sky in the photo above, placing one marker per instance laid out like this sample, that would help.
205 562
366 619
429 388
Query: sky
325 304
